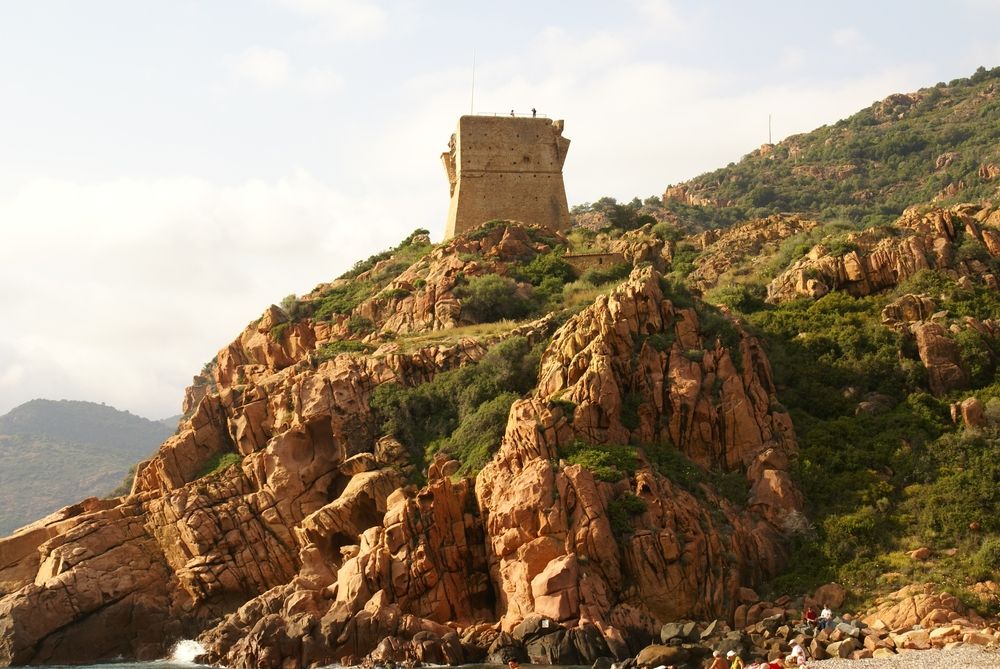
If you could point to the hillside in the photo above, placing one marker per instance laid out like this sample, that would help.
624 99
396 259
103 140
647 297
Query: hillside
477 451
940 143
54 453
848 252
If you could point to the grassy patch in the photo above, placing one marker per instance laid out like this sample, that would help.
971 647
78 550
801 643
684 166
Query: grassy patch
219 463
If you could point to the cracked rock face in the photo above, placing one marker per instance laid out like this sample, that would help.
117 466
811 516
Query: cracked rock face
938 239
279 526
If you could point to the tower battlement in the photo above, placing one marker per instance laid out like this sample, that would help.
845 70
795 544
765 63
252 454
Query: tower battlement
507 168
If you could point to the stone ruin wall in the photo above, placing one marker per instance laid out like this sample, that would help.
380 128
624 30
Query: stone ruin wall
584 262
506 168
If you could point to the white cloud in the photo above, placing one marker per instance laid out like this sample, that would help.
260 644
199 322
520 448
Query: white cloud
848 39
355 19
12 375
636 125
264 67
318 81
271 69
662 13
121 290
792 58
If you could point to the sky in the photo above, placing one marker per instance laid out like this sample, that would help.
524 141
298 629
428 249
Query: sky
169 169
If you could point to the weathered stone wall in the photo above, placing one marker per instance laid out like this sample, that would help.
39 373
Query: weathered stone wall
583 262
506 168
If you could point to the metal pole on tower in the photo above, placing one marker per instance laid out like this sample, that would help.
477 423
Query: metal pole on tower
472 99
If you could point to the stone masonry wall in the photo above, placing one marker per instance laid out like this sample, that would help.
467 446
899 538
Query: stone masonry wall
506 168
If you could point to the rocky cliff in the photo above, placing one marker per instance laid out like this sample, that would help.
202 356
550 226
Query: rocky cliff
957 241
282 526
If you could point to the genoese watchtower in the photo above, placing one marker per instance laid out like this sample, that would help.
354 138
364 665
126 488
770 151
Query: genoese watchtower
506 167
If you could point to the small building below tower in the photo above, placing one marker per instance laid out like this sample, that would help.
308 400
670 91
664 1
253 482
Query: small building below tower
506 168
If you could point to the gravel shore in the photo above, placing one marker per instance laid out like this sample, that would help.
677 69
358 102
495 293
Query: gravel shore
966 657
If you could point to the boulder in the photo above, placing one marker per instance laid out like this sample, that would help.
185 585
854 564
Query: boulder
657 654
831 595
842 649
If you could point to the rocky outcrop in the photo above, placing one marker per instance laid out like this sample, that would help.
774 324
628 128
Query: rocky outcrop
914 618
970 413
422 296
954 241
640 246
418 566
940 356
918 606
989 171
682 193
907 309
552 549
724 251
278 522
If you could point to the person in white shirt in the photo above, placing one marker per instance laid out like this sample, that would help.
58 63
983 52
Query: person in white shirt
798 655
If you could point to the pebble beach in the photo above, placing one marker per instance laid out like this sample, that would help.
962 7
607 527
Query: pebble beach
965 657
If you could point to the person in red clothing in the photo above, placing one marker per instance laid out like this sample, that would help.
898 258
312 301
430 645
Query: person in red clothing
717 661
811 616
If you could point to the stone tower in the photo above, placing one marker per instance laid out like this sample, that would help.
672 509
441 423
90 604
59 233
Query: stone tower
506 167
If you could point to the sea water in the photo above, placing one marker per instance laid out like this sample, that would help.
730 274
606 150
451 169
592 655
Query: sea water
181 657
184 652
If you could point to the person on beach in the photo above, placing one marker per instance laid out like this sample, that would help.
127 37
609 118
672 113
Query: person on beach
735 660
717 661
798 655
810 618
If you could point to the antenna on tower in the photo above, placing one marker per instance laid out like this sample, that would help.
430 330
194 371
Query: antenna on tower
472 99
769 129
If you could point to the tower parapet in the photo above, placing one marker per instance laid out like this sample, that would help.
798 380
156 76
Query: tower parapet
506 168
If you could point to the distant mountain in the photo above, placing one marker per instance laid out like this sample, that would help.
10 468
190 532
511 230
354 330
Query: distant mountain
53 453
171 421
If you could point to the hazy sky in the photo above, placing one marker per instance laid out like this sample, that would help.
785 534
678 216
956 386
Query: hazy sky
168 169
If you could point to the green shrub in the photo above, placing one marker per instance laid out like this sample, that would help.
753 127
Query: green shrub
567 407
607 462
395 293
668 232
852 535
478 434
219 463
673 289
336 347
463 410
491 298
544 266
295 308
987 559
745 298
407 245
715 326
360 326
341 300
682 263
278 331
977 354
601 275
661 341
631 402
621 510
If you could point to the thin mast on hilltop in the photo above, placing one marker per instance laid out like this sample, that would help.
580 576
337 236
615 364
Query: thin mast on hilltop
472 98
